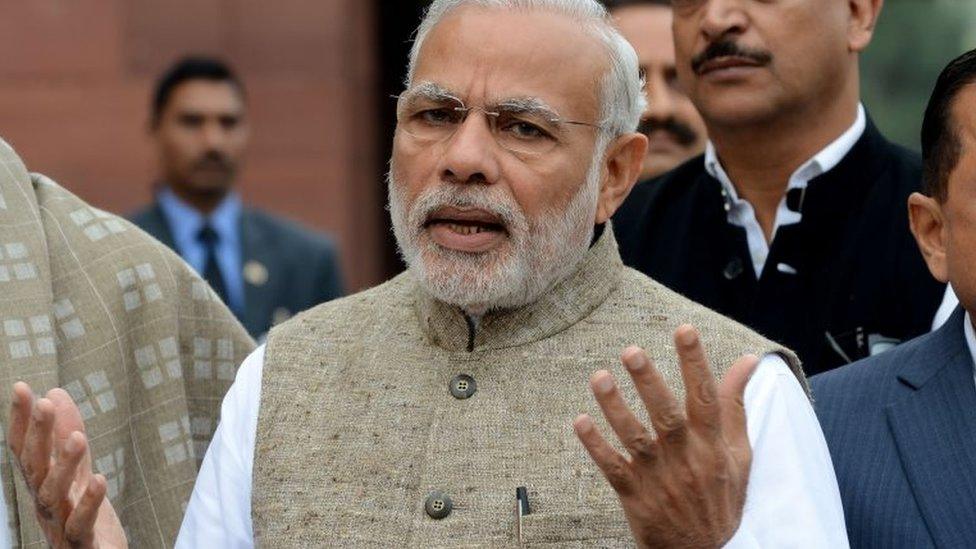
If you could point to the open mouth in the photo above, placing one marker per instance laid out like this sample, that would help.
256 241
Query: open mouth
467 230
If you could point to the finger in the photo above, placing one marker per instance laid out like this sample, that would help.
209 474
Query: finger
53 496
638 441
666 414
613 465
20 411
701 389
732 401
79 529
68 420
35 457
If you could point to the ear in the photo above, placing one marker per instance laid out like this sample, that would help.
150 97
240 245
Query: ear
623 161
928 226
863 18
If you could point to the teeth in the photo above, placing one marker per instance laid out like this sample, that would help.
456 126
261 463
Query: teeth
465 229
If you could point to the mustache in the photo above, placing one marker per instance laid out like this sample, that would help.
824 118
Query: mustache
214 159
681 132
467 198
729 48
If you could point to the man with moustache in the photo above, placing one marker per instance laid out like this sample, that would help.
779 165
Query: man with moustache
435 410
902 426
793 222
264 267
674 129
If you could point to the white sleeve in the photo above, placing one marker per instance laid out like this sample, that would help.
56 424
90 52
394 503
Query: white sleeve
792 499
219 512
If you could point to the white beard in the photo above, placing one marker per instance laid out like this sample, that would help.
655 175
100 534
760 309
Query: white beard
538 254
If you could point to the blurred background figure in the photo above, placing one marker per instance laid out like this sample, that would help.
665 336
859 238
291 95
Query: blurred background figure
674 129
264 267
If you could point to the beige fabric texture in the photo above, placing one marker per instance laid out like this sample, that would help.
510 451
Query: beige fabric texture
357 425
90 303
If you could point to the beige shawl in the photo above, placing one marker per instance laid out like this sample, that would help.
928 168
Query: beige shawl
90 303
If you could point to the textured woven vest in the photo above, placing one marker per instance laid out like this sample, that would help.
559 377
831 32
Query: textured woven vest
359 422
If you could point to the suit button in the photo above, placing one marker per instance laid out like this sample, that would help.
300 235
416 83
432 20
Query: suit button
463 386
733 269
438 505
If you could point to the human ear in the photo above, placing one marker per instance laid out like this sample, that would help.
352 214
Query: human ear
928 227
622 167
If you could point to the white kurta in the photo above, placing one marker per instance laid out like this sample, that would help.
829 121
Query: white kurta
790 464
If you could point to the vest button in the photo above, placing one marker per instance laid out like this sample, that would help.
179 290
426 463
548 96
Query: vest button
462 386
438 505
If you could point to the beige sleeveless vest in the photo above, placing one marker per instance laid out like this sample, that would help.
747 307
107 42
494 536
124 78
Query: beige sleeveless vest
358 424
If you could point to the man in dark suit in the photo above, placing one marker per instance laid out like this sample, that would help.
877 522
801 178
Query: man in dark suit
901 426
265 268
793 221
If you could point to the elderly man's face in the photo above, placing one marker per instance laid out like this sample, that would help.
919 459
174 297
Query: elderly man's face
673 126
492 214
946 230
746 61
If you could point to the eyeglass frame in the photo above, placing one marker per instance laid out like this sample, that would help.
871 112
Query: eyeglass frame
433 92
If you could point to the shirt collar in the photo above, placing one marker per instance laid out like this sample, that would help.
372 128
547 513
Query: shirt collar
821 163
970 339
185 221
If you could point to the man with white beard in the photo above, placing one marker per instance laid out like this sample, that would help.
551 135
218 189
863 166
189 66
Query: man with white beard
436 410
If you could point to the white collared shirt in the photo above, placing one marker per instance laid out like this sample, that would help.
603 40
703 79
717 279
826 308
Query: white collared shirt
790 463
741 212
970 341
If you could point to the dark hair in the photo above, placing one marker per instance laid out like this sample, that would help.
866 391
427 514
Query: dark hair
940 141
615 4
190 68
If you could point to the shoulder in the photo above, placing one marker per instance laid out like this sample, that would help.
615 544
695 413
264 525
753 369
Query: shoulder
388 303
288 232
868 382
649 305
902 168
679 183
143 215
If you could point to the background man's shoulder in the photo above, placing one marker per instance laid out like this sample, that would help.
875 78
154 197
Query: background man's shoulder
868 384
289 234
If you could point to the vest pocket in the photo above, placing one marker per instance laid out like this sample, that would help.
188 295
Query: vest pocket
591 529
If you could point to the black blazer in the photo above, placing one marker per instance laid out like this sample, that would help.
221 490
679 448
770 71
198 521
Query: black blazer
901 428
302 266
860 276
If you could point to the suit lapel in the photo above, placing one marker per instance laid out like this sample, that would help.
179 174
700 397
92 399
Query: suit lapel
934 427
155 224
258 255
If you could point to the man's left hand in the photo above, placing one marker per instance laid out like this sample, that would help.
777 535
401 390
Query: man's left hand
683 483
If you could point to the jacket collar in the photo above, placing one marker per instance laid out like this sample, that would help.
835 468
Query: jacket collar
565 304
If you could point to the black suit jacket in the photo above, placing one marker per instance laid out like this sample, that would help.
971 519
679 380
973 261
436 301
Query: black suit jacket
859 274
901 428
302 266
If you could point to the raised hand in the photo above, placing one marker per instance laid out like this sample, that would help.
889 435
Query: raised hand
683 483
48 440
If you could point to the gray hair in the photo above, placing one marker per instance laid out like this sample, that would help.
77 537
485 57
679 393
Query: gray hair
622 91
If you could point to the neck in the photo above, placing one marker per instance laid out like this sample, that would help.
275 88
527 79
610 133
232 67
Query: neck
203 202
760 158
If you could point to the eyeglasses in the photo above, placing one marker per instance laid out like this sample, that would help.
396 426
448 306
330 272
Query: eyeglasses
523 127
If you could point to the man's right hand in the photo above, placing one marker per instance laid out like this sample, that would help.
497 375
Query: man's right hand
48 441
